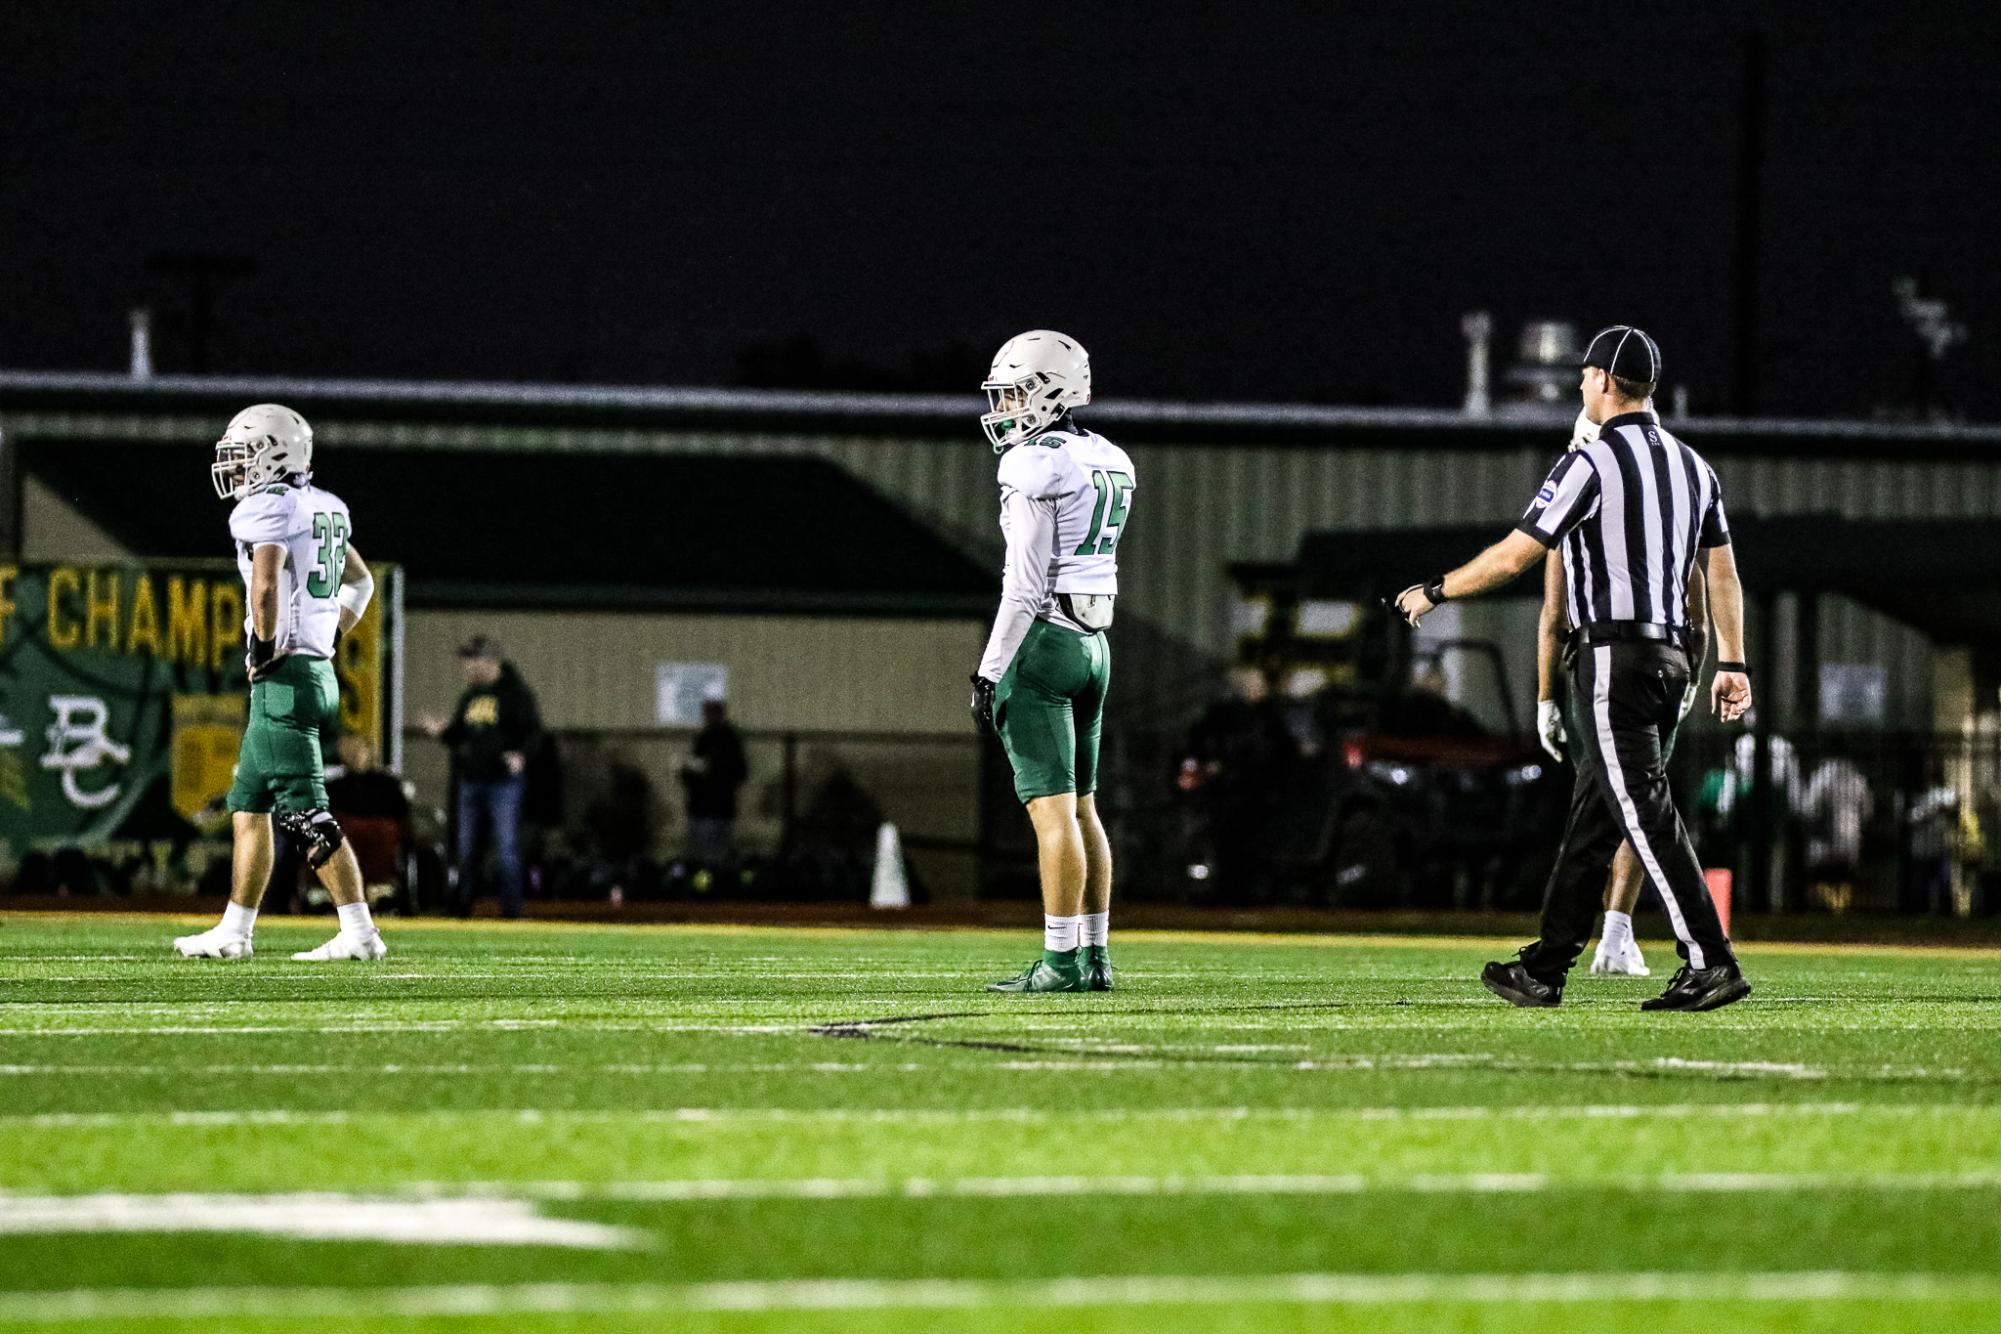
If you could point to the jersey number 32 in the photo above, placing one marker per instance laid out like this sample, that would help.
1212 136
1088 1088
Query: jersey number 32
330 530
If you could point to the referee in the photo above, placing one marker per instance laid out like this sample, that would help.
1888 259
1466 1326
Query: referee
1631 513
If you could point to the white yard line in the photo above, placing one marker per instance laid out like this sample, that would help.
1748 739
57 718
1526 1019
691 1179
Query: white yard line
484 1220
1073 1057
1025 1115
218 1303
1310 1184
461 1069
798 1029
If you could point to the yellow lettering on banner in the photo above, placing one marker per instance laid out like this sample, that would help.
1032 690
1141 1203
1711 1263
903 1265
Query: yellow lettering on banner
225 607
187 620
360 667
100 608
63 579
208 729
145 619
7 605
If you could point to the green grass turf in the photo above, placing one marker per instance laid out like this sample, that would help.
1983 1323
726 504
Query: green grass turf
769 1112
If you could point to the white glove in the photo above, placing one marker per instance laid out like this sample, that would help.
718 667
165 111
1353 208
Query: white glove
1549 726
1688 698
1584 432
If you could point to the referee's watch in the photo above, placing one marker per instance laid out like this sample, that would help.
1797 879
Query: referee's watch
1435 590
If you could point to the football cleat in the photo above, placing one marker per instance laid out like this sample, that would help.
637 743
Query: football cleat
1624 961
345 946
1096 968
1047 974
214 943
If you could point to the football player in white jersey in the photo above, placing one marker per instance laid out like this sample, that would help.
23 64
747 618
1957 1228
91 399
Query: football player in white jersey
304 586
1066 496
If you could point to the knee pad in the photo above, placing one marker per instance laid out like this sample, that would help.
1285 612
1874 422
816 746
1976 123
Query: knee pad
318 831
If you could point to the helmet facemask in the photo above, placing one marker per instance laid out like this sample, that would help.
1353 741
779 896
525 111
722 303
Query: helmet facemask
231 469
1020 408
244 467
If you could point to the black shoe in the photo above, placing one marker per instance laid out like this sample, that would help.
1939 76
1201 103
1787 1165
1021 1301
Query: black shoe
1518 986
1701 989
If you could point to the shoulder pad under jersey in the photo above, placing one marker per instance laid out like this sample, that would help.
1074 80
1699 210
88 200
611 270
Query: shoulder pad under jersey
269 516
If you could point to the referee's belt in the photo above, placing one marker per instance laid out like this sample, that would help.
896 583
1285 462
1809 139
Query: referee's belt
1618 632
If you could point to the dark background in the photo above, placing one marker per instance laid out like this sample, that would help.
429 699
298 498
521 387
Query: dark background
1239 202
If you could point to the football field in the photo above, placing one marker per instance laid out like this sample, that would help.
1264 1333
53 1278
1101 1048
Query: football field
533 1127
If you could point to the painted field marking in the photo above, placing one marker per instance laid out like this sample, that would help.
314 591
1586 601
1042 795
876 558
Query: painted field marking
1024 1115
1069 1058
334 1303
167 922
461 1069
1307 1184
487 1220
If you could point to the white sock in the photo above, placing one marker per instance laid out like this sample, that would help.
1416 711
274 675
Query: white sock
1059 934
1618 928
1097 926
355 921
238 920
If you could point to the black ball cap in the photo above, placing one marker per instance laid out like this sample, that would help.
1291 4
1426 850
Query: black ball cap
1627 352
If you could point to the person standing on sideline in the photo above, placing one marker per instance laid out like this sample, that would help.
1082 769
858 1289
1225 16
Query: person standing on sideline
711 778
490 734
1618 953
1632 513
1065 493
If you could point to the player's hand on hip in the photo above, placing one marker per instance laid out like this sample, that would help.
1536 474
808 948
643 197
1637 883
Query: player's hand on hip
1413 605
1730 696
515 762
1549 727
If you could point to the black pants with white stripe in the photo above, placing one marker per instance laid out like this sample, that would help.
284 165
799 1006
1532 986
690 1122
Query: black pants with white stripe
1624 697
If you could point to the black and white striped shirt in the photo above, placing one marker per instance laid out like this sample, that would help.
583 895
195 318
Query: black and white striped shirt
1631 509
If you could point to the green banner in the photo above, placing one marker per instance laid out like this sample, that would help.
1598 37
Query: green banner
122 702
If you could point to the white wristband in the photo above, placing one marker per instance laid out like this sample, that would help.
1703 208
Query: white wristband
354 597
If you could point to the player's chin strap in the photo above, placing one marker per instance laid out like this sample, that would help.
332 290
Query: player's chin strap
317 830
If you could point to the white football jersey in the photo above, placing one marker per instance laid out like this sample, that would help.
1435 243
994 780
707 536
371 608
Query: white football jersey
1089 483
313 526
1065 499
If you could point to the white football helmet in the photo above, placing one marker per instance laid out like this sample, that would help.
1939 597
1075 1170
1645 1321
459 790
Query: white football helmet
1035 377
262 444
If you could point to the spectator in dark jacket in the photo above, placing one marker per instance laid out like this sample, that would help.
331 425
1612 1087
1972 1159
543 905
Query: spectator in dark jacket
490 735
711 777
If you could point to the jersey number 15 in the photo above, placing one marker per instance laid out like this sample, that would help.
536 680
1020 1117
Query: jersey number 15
1108 516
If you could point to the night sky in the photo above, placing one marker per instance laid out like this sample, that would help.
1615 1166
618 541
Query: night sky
1255 203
